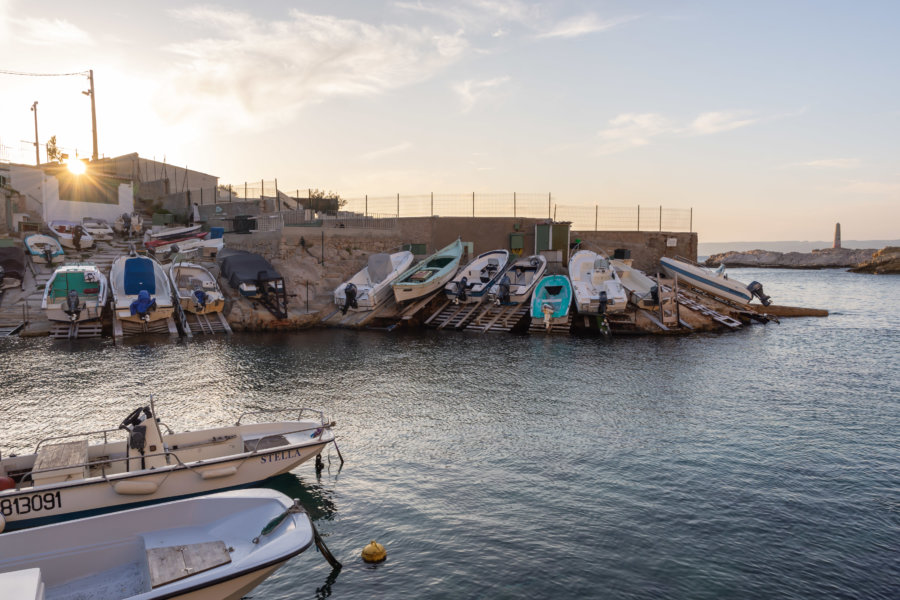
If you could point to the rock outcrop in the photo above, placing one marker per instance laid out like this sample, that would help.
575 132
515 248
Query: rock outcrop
885 261
829 258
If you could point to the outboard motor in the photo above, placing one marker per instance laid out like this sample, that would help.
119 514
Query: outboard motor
461 288
756 289
503 291
603 301
143 305
72 308
200 298
349 298
126 224
654 294
48 254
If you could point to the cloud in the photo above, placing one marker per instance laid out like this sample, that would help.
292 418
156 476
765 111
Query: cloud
831 163
375 154
871 188
478 14
584 25
632 130
45 32
252 72
471 92
717 122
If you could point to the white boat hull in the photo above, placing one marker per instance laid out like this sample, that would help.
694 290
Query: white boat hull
706 280
404 293
588 281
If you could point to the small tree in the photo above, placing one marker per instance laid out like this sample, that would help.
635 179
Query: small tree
53 151
321 200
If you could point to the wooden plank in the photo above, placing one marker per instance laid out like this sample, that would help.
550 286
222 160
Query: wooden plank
653 319
437 312
65 454
173 563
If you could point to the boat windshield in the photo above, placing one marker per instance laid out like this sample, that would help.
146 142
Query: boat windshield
720 270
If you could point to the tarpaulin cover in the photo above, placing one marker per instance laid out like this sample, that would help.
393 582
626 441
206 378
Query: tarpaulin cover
143 303
12 259
239 266
380 266
139 275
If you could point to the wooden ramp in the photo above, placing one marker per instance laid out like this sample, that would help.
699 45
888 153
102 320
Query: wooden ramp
725 320
498 318
209 324
537 326
72 331
453 316
8 329
123 329
358 319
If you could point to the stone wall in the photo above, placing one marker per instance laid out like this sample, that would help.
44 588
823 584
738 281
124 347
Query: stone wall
646 247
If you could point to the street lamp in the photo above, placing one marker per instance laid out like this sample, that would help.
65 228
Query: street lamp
37 148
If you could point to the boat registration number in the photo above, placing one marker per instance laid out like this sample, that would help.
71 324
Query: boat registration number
28 504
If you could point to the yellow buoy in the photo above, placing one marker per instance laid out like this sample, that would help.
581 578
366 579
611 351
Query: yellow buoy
374 552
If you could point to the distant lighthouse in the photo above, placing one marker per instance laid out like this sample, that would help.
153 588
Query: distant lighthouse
837 235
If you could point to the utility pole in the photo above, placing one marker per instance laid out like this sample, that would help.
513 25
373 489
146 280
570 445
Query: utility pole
37 148
91 93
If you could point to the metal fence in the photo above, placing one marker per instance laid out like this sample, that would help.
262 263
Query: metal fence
381 212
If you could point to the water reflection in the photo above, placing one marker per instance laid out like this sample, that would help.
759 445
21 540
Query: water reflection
314 497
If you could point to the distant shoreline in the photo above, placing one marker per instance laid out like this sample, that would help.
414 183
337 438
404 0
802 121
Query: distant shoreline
705 249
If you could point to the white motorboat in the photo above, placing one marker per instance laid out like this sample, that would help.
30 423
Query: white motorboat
70 232
372 285
519 280
471 283
69 476
595 284
196 288
171 233
141 289
98 228
715 282
75 292
642 290
209 547
44 249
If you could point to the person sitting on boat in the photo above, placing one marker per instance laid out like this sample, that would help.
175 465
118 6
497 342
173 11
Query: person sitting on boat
143 305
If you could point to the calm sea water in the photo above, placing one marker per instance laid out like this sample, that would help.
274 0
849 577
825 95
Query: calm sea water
758 464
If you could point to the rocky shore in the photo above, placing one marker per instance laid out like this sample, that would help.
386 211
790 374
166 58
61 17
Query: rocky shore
829 258
885 261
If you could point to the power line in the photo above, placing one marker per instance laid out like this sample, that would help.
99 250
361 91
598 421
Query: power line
4 72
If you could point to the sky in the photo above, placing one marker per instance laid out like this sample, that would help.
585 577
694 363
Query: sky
772 120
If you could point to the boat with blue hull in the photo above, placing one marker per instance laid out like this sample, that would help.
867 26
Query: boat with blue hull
473 281
551 300
715 282
428 275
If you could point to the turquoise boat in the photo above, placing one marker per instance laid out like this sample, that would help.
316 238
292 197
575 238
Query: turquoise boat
551 300
430 274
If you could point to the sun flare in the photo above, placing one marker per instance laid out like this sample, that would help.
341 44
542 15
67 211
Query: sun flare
76 167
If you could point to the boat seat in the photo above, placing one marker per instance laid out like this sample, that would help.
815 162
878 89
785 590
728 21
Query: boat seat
172 563
72 455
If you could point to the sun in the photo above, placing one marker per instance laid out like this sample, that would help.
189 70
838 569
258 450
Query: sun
76 167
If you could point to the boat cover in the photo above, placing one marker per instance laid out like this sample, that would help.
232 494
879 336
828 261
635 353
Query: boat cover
239 266
12 259
143 304
139 276
380 266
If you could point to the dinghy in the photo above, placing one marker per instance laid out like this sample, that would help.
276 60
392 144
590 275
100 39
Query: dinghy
98 229
551 300
715 282
75 293
44 249
217 547
69 476
518 281
642 290
70 232
472 282
595 284
196 288
372 285
428 275
140 288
